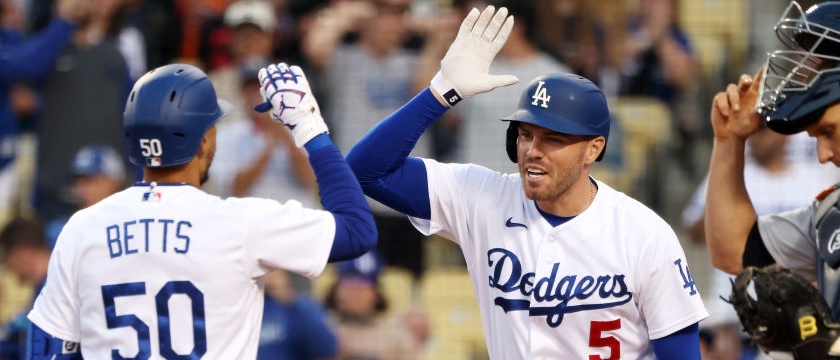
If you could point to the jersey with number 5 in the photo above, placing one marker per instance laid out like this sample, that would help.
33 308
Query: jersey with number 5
599 286
172 272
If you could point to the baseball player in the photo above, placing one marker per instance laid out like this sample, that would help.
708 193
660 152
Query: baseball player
788 95
563 266
796 90
164 270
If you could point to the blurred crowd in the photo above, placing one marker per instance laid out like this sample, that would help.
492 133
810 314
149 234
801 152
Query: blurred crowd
66 67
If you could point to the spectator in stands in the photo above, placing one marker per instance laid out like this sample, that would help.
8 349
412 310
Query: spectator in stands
658 56
195 16
98 171
358 310
251 25
25 254
294 326
659 60
161 27
417 322
367 71
84 97
587 36
27 59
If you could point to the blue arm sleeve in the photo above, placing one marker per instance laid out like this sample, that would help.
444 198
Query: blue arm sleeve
380 158
36 55
355 231
43 346
681 345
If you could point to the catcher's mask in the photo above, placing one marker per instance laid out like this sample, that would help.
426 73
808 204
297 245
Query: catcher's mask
799 82
566 103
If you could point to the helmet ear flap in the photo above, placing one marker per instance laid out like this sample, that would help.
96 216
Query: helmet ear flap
510 140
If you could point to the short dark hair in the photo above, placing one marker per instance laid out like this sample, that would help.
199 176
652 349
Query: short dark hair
23 231
523 10
331 303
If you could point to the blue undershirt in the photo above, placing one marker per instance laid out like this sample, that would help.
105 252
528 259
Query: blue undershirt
681 345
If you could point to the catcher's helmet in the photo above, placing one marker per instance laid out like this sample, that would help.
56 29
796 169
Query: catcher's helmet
800 82
167 113
566 103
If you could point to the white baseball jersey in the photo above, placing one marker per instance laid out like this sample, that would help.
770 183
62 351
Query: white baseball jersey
603 284
173 270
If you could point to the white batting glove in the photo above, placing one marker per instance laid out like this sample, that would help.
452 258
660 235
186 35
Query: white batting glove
291 101
465 69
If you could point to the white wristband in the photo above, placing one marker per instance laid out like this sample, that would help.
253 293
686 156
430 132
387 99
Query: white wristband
446 90
306 130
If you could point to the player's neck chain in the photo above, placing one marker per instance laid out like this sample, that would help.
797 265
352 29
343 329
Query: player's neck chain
592 191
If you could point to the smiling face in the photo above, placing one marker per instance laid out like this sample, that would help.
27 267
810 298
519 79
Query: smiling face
827 133
554 167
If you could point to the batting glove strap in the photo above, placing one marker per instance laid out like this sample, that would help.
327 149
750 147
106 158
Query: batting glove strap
446 90
307 130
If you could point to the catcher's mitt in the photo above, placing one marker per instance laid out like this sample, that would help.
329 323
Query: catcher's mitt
788 315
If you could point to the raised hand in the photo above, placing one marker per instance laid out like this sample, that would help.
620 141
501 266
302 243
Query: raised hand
287 91
465 69
733 110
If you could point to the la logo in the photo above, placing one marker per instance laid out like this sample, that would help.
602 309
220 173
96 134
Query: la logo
540 94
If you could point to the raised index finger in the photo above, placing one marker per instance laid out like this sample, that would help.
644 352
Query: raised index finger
745 82
759 76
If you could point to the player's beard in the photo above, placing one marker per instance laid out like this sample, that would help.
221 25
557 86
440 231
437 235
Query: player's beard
562 176
205 174
204 177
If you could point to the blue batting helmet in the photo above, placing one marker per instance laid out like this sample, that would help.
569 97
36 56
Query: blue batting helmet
566 103
799 82
167 113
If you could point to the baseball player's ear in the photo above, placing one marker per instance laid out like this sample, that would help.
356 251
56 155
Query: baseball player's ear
208 142
595 147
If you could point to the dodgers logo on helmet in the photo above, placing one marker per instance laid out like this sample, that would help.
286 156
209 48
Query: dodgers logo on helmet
566 103
167 113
